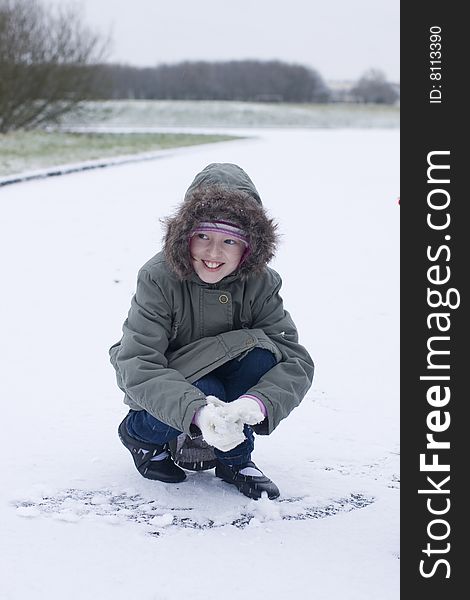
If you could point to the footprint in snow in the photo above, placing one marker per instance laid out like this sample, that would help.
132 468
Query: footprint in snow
74 505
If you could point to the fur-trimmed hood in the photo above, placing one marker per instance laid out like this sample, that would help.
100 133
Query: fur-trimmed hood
221 191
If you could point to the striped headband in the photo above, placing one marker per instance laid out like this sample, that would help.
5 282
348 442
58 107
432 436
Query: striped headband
221 227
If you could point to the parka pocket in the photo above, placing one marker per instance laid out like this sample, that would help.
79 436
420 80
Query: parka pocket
265 342
197 359
201 357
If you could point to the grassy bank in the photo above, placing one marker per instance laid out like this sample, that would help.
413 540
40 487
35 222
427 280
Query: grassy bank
25 151
28 150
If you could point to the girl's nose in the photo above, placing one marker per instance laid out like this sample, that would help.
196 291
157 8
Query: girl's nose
214 247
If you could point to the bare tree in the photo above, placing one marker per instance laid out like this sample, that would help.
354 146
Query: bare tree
374 88
47 58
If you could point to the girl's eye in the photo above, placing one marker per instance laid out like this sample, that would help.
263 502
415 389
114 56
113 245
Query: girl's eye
230 242
202 236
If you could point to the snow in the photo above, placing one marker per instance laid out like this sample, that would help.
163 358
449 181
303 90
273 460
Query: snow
77 520
222 424
223 114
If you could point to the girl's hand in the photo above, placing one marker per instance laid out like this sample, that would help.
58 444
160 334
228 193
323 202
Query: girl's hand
219 428
245 409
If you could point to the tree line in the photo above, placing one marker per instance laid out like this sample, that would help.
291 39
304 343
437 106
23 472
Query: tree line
245 80
50 62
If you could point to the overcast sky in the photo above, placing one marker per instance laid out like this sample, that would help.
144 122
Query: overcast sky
340 38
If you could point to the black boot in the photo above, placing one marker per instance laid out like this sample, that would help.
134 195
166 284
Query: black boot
250 485
143 452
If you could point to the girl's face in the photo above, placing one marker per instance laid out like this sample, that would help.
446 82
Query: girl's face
215 255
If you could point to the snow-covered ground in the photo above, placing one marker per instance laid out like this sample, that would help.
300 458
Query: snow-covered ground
223 113
77 520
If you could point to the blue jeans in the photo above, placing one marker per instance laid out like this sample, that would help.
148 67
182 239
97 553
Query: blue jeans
228 383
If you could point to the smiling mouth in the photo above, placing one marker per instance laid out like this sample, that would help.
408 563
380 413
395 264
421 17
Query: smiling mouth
212 265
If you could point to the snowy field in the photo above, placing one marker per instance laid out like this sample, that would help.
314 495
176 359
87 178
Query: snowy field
223 113
77 520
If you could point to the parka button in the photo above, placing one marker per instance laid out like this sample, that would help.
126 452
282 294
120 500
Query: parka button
223 298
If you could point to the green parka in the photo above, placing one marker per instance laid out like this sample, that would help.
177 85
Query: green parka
179 328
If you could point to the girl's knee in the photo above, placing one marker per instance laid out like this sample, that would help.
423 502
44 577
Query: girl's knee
261 360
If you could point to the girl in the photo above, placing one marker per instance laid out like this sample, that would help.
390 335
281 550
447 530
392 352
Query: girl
208 354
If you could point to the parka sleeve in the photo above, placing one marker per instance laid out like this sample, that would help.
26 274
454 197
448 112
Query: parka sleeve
140 362
284 386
